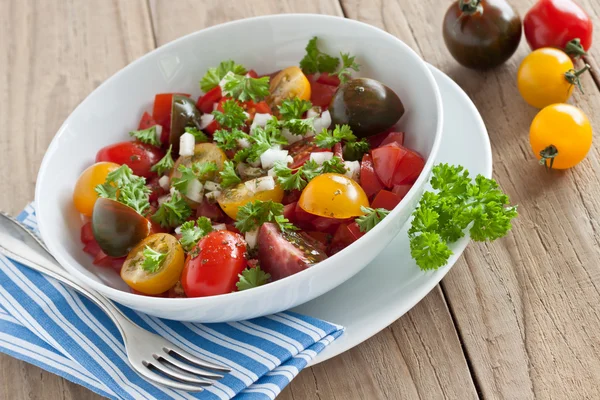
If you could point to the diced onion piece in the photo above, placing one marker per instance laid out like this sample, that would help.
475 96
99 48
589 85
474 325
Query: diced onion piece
313 112
260 120
289 159
265 183
254 164
219 227
162 199
195 190
271 156
243 143
271 172
206 120
172 191
164 182
321 157
352 169
212 197
187 142
211 186
251 238
215 105
178 230
290 137
247 115
322 122
159 129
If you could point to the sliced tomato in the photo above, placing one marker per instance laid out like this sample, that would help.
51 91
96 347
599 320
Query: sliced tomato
92 248
344 236
252 74
300 151
408 168
355 230
205 103
376 140
162 108
386 199
116 263
253 108
393 137
327 79
291 197
401 190
303 216
211 211
327 225
146 122
321 94
212 127
140 157
337 150
87 234
369 180
155 189
289 211
322 237
385 161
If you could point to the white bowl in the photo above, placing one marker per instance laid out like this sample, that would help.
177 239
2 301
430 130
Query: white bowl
264 44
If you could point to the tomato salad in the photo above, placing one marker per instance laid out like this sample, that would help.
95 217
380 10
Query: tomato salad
260 178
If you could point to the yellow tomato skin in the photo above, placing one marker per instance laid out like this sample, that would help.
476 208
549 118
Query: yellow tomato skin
541 77
232 199
565 127
290 82
84 195
168 274
333 196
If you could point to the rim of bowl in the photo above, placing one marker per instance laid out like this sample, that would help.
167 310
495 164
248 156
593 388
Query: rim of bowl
120 295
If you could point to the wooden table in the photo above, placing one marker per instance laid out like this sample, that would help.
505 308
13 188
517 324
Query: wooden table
517 319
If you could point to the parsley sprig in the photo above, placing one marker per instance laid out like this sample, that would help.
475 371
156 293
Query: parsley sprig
192 232
232 116
152 259
293 108
228 140
371 217
316 61
348 64
458 203
172 212
354 151
165 163
298 178
228 175
126 188
199 136
253 214
251 278
147 136
244 88
214 75
298 126
198 170
327 138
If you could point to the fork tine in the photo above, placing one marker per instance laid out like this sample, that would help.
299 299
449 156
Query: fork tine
156 378
175 374
195 360
187 367
190 377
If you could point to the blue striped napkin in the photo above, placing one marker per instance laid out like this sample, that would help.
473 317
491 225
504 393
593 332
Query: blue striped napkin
55 328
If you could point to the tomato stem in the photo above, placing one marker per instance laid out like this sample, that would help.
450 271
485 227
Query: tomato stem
572 76
548 154
575 49
470 7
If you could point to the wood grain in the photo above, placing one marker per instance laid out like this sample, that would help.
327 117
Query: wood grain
526 307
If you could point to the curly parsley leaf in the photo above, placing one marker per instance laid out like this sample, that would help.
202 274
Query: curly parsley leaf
335 165
251 278
233 115
165 163
348 64
126 188
228 176
200 171
172 212
294 108
147 136
214 75
199 136
252 215
244 88
457 204
152 259
192 232
326 139
297 179
263 139
316 61
354 151
371 217
299 126
228 140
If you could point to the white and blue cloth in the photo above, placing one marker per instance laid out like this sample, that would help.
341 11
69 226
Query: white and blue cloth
55 328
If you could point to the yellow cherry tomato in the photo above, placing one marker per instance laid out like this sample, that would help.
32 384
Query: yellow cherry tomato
290 82
160 275
547 76
560 136
334 196
84 194
233 198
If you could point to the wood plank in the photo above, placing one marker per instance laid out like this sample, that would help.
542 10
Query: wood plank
420 355
52 55
526 306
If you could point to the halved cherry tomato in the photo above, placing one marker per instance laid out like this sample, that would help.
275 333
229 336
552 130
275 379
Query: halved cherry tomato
409 168
231 199
386 199
205 103
146 122
211 211
376 140
161 111
103 260
87 234
252 108
303 216
140 157
203 152
321 94
385 160
344 236
155 189
328 225
393 137
168 271
212 268
334 196
300 151
338 151
289 211
289 83
327 79
369 180
291 196
84 194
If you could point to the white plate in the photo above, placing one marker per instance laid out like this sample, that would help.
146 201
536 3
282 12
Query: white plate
392 284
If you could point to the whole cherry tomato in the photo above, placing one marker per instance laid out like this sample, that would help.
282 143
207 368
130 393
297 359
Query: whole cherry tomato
547 76
213 266
560 136
140 157
558 23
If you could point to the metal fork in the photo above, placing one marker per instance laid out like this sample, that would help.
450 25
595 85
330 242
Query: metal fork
150 355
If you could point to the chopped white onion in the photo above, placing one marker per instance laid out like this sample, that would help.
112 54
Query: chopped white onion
322 122
321 157
227 75
260 120
159 129
352 169
172 191
195 191
178 230
251 238
164 182
243 143
271 156
290 137
271 172
289 159
211 186
254 164
219 227
261 184
215 106
212 197
313 112
247 115
187 142
162 199
206 120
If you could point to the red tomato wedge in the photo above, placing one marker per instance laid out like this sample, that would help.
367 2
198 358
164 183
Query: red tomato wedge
205 103
320 93
140 157
212 211
369 180
401 190
386 199
337 150
376 140
162 108
87 234
385 160
344 236
146 122
394 137
327 79
408 168
328 225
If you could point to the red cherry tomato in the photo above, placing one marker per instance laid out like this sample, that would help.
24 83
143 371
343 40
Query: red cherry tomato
300 151
162 108
327 79
146 122
369 180
212 268
205 103
393 137
386 199
554 23
140 157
